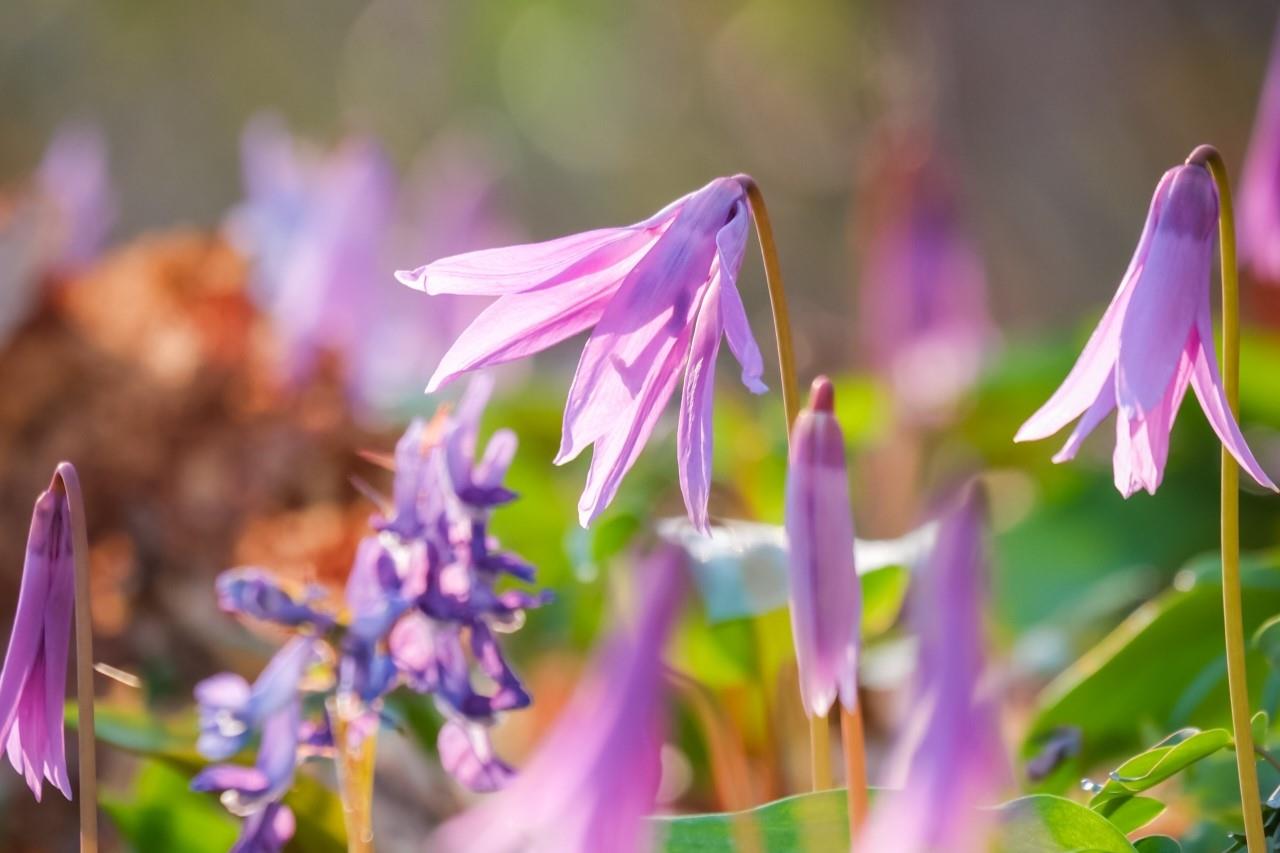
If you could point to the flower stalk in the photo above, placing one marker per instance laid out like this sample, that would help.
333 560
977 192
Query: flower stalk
1233 620
66 481
851 724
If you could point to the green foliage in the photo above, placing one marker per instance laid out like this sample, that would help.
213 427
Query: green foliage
159 814
1043 823
807 822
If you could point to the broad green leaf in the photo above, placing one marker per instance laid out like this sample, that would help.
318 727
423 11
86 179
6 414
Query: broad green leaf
1043 823
1137 677
1157 764
159 813
1129 813
1157 844
806 822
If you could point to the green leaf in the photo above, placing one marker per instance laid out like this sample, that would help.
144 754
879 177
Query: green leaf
1267 640
1162 761
804 822
160 813
1043 823
1137 677
1129 813
1157 844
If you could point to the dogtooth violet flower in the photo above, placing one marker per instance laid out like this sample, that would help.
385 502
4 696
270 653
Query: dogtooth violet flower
658 296
421 609
952 749
1258 207
826 606
33 680
594 777
1155 339
324 229
923 294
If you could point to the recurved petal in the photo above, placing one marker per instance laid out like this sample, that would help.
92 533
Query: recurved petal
521 324
516 269
1207 385
731 242
465 751
1102 406
694 434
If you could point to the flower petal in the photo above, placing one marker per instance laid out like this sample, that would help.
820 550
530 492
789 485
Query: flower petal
731 242
1102 406
1142 442
694 434
1207 385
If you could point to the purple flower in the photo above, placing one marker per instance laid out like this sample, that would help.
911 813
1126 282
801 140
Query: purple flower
266 831
955 761
231 711
1258 209
826 599
33 681
320 226
255 593
73 181
595 775
659 294
923 296
1155 338
246 791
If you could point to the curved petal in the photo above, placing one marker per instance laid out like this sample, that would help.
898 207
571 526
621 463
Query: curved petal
731 242
1102 406
1142 445
1207 385
694 434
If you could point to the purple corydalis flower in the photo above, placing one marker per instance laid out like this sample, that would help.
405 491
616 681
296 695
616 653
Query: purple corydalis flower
660 294
253 592
955 761
923 293
1258 209
266 831
1154 340
231 710
33 681
594 777
826 601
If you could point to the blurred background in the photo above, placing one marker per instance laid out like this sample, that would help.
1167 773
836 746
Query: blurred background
202 206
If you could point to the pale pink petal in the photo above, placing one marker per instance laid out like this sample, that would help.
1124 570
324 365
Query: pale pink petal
1142 445
1093 416
694 434
1207 385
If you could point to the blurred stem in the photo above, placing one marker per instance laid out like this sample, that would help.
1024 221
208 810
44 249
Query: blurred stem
1237 679
66 481
820 752
855 765
729 770
355 778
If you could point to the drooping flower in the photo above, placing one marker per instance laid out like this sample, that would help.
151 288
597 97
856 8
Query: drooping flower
826 600
325 228
33 680
266 831
922 297
952 749
1258 208
659 295
1154 340
595 776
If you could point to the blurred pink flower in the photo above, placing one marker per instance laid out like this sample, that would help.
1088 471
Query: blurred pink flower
595 776
951 748
33 683
325 229
1154 340
659 294
826 604
923 299
1258 210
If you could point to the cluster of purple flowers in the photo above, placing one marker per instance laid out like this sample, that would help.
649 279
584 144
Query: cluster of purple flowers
422 609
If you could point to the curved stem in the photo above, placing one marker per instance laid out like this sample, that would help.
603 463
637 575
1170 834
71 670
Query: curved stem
1233 619
855 767
67 481
852 739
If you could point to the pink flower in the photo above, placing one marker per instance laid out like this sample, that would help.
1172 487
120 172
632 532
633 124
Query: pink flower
826 605
1154 340
952 750
595 775
658 295
33 683
1258 211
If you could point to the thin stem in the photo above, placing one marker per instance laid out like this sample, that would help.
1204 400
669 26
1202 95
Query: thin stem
729 771
1266 756
355 756
1233 619
66 480
855 767
819 748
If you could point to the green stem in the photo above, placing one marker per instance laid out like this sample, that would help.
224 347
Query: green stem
1232 611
